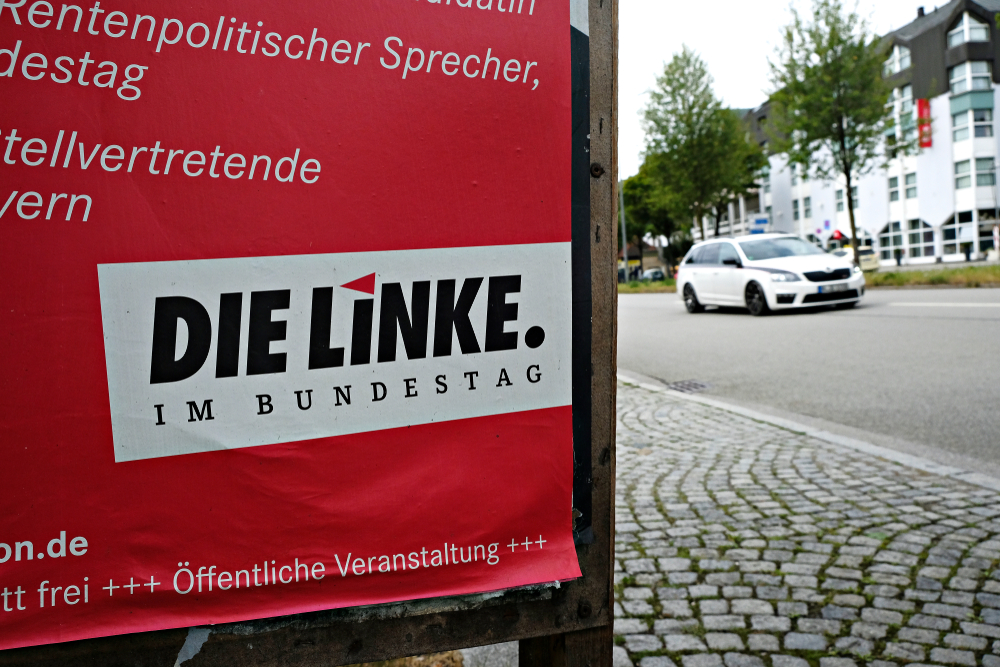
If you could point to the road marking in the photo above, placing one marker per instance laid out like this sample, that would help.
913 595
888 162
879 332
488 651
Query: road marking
938 304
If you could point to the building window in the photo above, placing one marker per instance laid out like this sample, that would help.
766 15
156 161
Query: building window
890 242
968 29
957 36
982 123
894 188
985 238
898 61
958 233
795 209
920 239
973 75
765 179
911 186
903 57
854 199
901 102
795 173
957 77
905 106
983 119
978 30
962 177
807 209
981 74
864 241
987 218
960 121
767 210
985 172
905 99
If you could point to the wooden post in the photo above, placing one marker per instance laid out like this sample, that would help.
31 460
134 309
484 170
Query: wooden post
583 648
592 647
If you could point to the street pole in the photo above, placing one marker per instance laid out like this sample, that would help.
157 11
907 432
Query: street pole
621 207
996 217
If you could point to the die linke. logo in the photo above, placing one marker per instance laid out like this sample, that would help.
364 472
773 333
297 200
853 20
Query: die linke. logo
452 316
266 363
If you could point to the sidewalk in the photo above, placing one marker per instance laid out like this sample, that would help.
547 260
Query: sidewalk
937 266
746 544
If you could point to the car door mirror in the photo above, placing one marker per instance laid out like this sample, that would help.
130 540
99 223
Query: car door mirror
733 262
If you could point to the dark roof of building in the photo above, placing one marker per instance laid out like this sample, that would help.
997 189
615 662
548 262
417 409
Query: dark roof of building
936 17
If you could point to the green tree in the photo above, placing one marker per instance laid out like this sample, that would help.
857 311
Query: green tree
647 206
829 106
682 123
699 152
744 159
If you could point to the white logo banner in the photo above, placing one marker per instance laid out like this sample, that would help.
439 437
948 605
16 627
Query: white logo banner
218 354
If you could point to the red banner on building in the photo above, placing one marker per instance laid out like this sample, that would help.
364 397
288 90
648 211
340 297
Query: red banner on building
286 308
924 123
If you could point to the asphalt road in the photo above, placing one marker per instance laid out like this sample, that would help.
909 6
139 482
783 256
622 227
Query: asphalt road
917 370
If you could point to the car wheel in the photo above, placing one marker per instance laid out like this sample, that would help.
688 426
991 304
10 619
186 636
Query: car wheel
756 301
691 300
846 306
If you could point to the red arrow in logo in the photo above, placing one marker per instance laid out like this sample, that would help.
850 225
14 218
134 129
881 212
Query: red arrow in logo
366 284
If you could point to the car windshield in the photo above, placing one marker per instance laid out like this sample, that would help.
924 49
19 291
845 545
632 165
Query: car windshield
786 246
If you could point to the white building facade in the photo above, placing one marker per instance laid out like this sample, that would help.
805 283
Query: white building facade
939 204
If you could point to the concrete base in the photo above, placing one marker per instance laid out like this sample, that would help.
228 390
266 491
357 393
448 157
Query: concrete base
493 655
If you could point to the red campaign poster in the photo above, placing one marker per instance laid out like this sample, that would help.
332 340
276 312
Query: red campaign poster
286 300
924 123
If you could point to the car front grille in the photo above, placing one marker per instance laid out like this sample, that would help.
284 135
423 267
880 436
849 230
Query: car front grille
830 296
786 298
824 276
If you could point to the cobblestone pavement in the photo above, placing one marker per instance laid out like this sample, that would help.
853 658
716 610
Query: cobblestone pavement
743 544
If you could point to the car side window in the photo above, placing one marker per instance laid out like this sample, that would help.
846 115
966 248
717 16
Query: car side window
709 254
728 252
693 258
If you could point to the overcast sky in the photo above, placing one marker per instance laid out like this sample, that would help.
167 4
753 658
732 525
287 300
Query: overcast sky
734 38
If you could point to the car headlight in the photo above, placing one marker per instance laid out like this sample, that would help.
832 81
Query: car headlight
784 277
857 270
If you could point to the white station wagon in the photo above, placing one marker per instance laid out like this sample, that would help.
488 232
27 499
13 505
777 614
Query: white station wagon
764 272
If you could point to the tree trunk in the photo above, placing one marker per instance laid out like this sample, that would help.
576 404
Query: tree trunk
718 219
847 164
854 228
